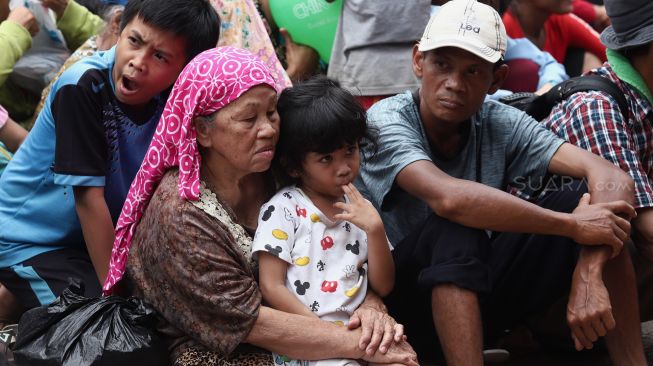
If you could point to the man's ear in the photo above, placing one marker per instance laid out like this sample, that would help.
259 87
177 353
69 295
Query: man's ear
111 33
114 22
418 61
203 132
499 76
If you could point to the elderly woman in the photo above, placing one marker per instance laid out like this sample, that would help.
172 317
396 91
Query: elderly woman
188 220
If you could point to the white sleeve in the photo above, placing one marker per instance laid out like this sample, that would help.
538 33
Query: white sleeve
275 233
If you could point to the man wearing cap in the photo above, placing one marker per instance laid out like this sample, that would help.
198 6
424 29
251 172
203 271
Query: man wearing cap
468 255
593 121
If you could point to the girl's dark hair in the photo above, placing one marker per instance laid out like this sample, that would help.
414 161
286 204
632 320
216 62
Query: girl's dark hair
193 20
318 115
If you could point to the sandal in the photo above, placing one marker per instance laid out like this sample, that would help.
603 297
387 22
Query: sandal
7 341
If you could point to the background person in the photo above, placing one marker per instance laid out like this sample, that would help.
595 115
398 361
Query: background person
445 158
551 27
593 121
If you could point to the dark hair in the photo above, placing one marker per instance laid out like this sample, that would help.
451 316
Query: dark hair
317 115
194 20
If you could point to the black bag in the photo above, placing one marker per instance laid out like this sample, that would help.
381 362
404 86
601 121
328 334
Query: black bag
539 106
75 330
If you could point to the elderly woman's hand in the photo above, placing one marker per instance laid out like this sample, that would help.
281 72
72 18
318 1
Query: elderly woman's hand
398 353
378 329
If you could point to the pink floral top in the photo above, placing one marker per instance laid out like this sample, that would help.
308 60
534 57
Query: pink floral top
242 27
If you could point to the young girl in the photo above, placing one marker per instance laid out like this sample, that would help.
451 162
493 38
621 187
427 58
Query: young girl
319 242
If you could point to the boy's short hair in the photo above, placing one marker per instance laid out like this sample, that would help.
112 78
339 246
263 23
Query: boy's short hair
194 20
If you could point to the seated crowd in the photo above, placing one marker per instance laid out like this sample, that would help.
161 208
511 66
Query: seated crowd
390 212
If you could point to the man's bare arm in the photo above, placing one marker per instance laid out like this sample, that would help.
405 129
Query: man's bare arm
97 226
590 310
479 206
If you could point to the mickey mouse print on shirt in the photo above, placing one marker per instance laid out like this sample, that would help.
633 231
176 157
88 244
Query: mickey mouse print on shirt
326 259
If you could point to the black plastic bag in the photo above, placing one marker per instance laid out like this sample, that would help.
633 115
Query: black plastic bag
75 330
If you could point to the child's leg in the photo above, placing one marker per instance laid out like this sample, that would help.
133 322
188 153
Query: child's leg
10 309
40 279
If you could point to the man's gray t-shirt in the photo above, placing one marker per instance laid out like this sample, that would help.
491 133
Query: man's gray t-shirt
505 147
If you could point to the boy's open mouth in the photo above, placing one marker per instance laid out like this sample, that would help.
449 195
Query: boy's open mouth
129 86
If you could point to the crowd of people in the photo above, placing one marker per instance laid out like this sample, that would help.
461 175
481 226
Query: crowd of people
381 207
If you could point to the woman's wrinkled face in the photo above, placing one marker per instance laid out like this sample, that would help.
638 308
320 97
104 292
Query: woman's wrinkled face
243 135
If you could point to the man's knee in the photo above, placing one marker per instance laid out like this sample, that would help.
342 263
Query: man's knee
449 253
10 309
39 280
467 273
562 194
440 240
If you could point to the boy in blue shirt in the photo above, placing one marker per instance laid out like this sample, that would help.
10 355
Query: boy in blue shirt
63 191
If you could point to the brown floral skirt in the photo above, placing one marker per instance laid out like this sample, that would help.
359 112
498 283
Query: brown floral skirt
200 357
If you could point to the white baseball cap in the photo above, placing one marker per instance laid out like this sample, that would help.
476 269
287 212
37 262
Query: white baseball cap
466 24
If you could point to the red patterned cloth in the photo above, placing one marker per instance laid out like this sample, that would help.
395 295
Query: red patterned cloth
562 31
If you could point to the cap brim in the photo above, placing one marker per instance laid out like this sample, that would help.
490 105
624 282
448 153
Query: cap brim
475 48
610 40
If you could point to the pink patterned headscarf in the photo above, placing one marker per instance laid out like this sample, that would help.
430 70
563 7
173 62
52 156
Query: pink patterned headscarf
208 83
